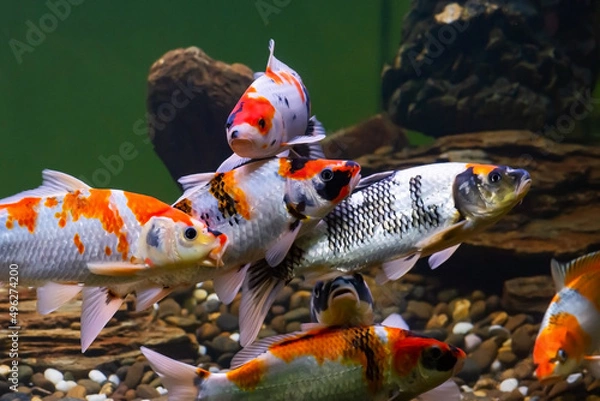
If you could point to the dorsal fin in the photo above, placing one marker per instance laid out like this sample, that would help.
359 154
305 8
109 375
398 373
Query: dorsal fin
274 65
190 183
262 346
564 273
54 183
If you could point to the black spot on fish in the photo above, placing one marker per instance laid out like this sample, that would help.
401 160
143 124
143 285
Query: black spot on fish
231 117
185 205
152 239
294 116
285 99
297 164
273 142
332 188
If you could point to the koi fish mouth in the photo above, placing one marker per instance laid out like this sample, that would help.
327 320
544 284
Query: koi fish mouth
242 146
343 293
549 380
524 185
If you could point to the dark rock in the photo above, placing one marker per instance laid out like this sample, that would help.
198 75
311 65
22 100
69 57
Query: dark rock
528 294
91 387
523 339
224 360
516 321
4 387
25 371
222 344
168 307
283 297
470 371
507 358
190 96
421 310
15 396
477 310
39 380
298 315
146 392
134 374
227 322
485 354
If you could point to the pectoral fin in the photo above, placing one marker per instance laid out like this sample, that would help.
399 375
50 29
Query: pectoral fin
98 307
232 162
228 283
396 321
394 269
440 257
447 391
277 252
178 377
149 296
116 268
52 296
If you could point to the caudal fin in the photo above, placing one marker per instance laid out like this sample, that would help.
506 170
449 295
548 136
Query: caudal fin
179 378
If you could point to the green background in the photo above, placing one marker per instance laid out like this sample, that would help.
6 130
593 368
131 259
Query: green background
77 95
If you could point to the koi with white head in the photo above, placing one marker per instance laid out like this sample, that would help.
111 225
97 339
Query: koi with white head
570 331
271 116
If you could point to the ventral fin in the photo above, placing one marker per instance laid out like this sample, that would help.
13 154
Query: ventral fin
232 162
149 296
52 296
303 139
228 283
259 290
179 378
394 269
98 307
564 273
54 183
452 235
440 257
447 391
277 252
116 268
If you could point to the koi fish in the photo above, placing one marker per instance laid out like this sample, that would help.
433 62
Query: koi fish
261 207
271 116
570 331
347 301
65 236
356 363
391 219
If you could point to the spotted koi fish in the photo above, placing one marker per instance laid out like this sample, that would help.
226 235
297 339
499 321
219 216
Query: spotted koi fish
392 219
570 331
328 364
65 237
261 208
271 116
346 301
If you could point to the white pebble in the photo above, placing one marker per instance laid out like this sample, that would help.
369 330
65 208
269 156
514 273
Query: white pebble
213 296
53 375
65 386
472 341
114 379
466 389
96 397
200 294
4 370
161 390
235 337
523 390
97 376
462 328
201 350
508 385
574 377
496 366
213 369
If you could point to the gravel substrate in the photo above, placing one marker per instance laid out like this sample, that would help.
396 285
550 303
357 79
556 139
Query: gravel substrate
498 340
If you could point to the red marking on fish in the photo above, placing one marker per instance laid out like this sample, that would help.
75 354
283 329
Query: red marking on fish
248 376
78 243
481 169
294 81
107 251
252 110
51 202
24 212
145 207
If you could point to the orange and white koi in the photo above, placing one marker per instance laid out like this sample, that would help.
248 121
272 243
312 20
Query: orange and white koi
570 331
328 364
391 220
347 301
271 116
65 236
261 207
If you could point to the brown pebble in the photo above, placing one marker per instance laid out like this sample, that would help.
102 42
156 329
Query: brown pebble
421 310
493 303
477 310
146 392
515 321
277 310
558 388
39 380
130 394
437 322
523 339
440 308
485 354
292 326
234 308
278 324
460 311
499 318
207 331
77 392
134 374
300 299
147 377
514 395
485 383
524 369
507 358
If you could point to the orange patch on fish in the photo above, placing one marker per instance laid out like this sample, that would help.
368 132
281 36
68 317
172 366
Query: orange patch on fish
51 202
407 352
291 168
78 243
355 346
481 169
274 76
232 199
145 207
96 205
107 251
294 81
248 376
24 212
252 110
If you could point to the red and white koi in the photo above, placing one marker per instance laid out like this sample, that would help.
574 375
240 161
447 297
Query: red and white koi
392 219
570 331
65 236
328 364
271 116
261 207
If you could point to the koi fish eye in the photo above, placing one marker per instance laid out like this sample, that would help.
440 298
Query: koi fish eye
561 355
327 175
190 233
261 123
494 177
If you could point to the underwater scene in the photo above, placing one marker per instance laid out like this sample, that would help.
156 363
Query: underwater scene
300 200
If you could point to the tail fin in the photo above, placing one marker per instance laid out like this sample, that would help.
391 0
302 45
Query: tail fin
178 377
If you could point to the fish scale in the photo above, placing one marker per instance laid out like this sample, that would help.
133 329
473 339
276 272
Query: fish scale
66 263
